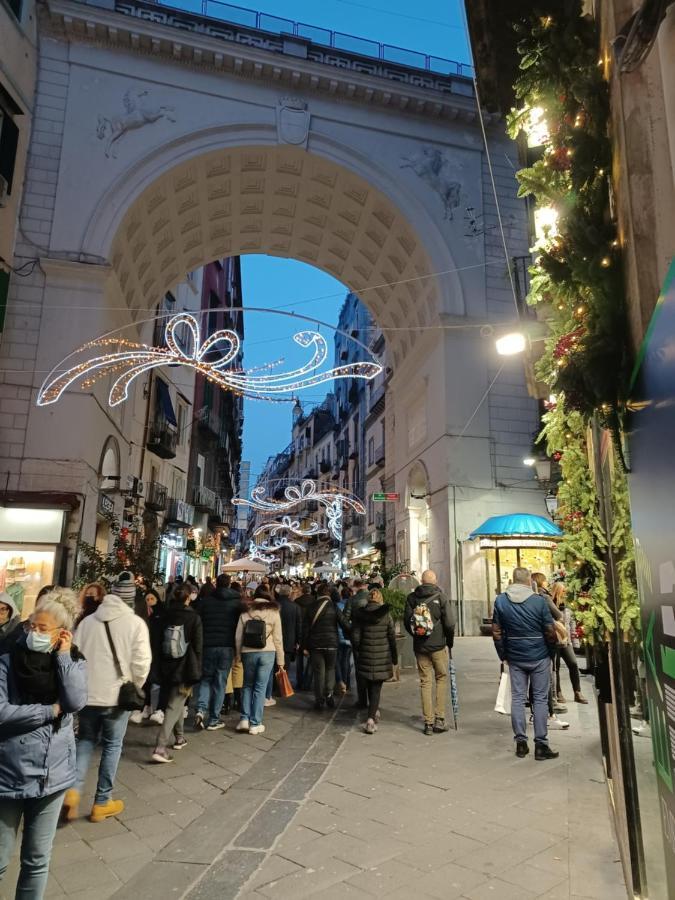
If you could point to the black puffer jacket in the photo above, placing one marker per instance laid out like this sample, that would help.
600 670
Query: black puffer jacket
291 626
188 669
304 602
219 613
442 613
320 632
374 639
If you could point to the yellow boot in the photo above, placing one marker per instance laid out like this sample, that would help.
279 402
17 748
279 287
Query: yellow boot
71 806
102 811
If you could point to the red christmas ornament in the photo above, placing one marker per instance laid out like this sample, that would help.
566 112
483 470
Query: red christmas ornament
121 555
568 343
557 456
124 534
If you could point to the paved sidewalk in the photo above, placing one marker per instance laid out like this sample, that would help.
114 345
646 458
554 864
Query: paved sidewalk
317 807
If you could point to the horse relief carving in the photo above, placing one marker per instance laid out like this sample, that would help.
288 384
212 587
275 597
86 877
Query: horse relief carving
434 168
138 113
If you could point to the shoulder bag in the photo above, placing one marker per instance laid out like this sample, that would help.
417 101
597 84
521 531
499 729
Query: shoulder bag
130 697
318 613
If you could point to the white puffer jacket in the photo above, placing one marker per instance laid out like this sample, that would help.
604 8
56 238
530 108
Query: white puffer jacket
132 643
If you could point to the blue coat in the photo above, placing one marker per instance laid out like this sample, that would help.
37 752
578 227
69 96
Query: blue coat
522 626
35 759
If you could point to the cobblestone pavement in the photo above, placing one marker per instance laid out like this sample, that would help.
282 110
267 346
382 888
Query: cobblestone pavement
317 807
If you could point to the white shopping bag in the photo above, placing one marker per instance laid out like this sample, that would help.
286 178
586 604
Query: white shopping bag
503 704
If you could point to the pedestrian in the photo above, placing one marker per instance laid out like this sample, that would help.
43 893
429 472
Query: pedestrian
219 612
124 587
117 646
91 596
374 637
179 649
10 620
565 650
358 600
43 681
555 702
154 613
258 640
304 599
291 622
525 638
319 642
343 663
430 619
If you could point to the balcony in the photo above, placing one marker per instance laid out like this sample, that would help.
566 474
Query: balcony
204 499
209 420
180 513
325 466
162 438
379 455
156 496
376 398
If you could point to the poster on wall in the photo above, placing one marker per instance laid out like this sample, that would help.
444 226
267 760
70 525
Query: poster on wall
652 442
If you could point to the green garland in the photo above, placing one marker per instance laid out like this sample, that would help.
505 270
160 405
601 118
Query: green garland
576 282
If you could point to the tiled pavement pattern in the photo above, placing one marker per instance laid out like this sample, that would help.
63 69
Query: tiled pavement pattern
315 807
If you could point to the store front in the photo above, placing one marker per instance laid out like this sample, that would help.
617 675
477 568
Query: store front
31 546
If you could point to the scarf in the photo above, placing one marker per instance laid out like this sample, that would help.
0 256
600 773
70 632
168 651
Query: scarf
35 675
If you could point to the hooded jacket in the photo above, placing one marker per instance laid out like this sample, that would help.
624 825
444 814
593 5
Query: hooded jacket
319 630
442 614
219 612
188 669
522 626
7 638
374 639
132 644
36 757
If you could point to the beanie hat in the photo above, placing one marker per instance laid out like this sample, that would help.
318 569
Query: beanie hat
124 587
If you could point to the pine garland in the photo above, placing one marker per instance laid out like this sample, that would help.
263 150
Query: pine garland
576 282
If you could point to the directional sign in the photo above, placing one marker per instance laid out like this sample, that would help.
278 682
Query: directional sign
386 498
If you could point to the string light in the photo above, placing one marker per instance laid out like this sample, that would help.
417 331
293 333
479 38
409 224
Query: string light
140 358
292 525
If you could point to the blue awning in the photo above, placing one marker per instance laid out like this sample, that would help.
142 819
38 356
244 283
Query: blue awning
164 402
517 525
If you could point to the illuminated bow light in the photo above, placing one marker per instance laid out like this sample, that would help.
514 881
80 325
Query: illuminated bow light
254 552
292 525
137 359
280 544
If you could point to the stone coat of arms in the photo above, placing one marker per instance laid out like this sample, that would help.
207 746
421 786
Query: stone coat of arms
293 120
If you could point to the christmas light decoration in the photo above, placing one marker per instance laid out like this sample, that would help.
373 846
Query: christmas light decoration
292 525
333 501
254 552
266 552
137 359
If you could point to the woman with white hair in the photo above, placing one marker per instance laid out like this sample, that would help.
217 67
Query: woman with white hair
43 681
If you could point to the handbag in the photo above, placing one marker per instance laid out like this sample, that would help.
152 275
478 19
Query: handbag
503 703
284 683
130 697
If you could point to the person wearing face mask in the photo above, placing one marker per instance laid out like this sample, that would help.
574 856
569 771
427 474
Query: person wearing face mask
90 598
43 681
10 619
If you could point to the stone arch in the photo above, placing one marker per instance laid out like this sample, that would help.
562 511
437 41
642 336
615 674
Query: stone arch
109 465
186 207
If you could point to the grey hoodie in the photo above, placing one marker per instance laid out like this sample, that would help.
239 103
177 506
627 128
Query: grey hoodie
11 624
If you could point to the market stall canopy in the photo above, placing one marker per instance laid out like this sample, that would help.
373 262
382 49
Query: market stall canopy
325 567
245 565
517 525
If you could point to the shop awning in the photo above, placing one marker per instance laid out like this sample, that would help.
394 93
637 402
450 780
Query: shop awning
164 402
517 525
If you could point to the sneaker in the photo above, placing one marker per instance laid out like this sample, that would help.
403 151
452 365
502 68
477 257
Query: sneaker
199 721
378 716
642 730
428 728
543 751
256 729
161 755
522 749
102 811
370 727
440 726
157 718
556 724
242 725
136 718
341 688
215 726
330 701
559 708
270 702
179 743
147 712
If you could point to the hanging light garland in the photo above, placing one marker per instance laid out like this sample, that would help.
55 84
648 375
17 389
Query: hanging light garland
137 359
292 525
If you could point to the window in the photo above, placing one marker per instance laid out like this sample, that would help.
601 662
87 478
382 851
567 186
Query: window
371 451
201 466
181 415
9 133
371 511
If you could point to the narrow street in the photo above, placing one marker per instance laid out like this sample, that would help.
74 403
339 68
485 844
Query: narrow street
316 807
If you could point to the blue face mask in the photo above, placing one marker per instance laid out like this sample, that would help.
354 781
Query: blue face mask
40 643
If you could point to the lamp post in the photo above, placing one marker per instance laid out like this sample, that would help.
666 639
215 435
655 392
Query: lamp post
551 502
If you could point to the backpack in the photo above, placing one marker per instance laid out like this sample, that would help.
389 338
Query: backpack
174 643
255 634
421 621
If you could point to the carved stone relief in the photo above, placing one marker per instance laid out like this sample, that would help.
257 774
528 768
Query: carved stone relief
434 168
138 112
293 121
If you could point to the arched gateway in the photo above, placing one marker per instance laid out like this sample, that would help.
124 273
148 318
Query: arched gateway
163 140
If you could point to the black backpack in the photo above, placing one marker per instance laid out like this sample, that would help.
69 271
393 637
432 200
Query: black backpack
255 634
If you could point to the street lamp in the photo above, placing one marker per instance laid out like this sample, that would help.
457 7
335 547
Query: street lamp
551 502
529 461
511 344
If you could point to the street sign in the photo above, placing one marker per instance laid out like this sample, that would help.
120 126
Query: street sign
386 498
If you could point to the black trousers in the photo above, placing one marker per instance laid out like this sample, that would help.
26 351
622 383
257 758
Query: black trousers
373 691
362 697
567 654
323 670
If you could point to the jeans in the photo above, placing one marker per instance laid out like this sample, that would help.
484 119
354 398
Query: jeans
257 667
172 726
567 654
343 664
40 818
210 692
323 670
539 675
373 690
433 667
269 690
109 723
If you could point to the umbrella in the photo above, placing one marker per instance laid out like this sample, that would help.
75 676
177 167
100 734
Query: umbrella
454 697
245 565
405 583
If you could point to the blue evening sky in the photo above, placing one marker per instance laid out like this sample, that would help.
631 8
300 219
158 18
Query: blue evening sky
433 28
